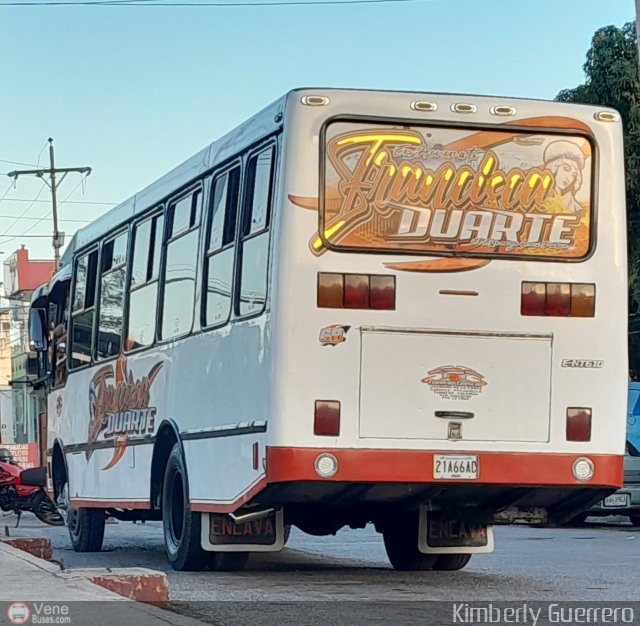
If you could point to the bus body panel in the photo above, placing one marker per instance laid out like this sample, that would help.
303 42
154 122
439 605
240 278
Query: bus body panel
421 305
243 396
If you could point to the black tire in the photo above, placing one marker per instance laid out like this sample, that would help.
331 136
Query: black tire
451 562
228 561
401 544
86 529
181 526
635 520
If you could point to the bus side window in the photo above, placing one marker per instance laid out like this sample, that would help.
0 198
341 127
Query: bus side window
220 248
84 308
255 232
113 274
180 266
143 290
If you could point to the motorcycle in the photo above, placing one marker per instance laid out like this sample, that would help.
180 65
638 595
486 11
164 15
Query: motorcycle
23 490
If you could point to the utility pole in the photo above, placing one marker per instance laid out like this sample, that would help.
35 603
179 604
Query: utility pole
53 185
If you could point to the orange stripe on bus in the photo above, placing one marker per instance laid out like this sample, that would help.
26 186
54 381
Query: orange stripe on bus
416 466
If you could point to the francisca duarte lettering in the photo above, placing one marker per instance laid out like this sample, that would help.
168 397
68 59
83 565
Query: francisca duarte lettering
449 190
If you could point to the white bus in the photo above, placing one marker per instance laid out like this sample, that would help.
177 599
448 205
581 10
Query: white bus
405 309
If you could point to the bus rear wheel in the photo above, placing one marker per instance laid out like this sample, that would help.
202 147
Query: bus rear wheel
451 562
181 526
401 543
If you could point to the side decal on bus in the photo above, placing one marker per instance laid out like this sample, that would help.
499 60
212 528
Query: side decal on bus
455 382
119 405
333 335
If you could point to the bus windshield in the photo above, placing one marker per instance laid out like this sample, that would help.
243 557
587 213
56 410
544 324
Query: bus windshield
451 190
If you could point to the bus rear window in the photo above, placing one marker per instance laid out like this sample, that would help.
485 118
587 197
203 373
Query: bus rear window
446 190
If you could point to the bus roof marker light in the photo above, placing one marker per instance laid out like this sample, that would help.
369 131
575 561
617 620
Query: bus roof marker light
326 465
607 116
315 101
423 106
583 469
463 107
503 109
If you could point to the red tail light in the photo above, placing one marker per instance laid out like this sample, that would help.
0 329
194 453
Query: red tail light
558 299
579 424
356 291
534 296
327 418
383 292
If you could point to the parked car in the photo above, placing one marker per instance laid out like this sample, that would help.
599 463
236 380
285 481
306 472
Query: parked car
625 501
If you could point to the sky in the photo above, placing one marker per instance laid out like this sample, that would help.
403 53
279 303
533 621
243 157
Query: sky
132 91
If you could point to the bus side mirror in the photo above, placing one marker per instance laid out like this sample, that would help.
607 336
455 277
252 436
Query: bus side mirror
38 330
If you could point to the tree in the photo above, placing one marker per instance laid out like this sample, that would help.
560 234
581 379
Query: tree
613 79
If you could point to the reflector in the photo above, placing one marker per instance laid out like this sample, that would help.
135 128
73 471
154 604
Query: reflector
327 418
579 424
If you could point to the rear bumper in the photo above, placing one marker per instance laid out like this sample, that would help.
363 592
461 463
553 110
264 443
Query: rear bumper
416 466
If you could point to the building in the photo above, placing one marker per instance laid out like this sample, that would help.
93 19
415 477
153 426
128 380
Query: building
21 276
6 402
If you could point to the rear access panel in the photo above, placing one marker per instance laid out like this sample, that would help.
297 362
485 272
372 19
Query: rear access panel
450 385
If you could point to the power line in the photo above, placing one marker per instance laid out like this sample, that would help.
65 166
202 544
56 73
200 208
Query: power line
39 219
19 217
17 163
67 201
155 3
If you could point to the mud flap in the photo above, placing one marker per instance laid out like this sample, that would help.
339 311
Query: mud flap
221 534
438 534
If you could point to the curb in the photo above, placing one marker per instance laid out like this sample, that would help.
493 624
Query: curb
38 547
133 583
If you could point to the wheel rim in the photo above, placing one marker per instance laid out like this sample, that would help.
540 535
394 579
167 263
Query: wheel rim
175 514
72 522
69 514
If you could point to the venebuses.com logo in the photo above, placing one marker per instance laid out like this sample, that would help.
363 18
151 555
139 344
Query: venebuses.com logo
38 613
18 613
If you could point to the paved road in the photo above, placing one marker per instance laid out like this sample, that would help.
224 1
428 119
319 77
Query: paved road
593 562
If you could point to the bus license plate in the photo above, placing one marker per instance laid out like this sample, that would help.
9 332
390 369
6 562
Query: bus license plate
616 501
455 466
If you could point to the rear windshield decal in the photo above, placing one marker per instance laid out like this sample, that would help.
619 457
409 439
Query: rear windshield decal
440 190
